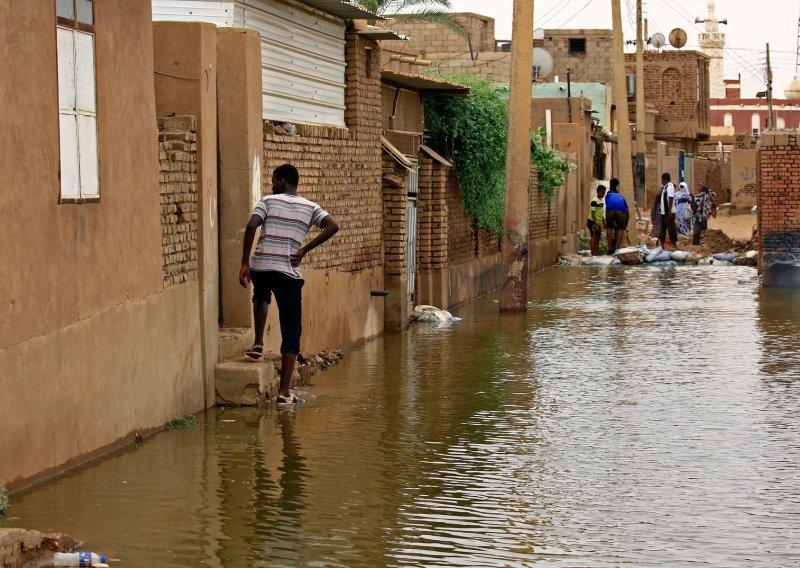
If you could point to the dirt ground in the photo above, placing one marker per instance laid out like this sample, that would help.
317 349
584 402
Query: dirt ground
726 233
735 226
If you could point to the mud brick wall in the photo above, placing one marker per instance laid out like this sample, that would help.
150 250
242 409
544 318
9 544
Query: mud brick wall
341 168
428 38
395 198
778 174
177 152
542 216
595 65
745 142
653 179
432 214
671 80
715 175
462 234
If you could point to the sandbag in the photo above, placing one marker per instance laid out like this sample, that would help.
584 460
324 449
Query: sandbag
752 254
663 255
726 257
653 254
679 255
601 261
626 250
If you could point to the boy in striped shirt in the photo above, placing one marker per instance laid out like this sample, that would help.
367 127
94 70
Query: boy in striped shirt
284 218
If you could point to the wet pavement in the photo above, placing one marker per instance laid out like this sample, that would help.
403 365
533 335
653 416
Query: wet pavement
633 417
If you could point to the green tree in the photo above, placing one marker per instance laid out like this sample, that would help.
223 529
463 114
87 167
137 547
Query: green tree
429 11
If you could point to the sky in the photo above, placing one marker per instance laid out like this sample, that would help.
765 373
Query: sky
751 26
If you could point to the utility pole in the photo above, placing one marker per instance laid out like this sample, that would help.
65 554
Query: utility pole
514 275
621 100
770 116
641 116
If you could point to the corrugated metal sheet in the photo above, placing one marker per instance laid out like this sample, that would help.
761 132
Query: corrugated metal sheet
302 53
341 9
302 60
212 11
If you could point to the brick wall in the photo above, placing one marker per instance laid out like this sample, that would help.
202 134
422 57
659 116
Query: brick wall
671 81
778 176
428 38
432 214
395 193
595 65
177 152
340 168
542 216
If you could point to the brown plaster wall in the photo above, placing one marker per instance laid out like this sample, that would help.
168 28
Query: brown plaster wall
240 137
744 182
395 198
185 65
84 314
72 241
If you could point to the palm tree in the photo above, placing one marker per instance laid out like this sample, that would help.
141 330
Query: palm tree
429 11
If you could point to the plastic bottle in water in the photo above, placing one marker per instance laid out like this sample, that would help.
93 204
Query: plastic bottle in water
78 559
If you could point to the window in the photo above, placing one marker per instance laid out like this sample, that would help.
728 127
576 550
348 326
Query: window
780 124
630 83
577 45
77 105
755 123
727 120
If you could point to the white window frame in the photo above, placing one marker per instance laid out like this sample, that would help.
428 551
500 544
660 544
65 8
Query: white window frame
727 120
77 105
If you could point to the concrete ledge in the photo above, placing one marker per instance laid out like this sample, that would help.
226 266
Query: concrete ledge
240 382
233 341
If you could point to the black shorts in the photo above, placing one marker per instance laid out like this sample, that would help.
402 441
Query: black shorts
594 228
289 297
617 220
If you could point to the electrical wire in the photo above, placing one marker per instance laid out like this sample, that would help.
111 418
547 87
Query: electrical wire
573 16
556 13
548 12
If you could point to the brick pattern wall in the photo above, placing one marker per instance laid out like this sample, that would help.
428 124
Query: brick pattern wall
670 85
653 178
542 216
779 208
427 38
177 152
341 168
462 234
395 191
596 65
432 213
492 66
710 172
745 142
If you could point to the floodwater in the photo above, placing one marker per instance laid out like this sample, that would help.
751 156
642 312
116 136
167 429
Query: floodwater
633 417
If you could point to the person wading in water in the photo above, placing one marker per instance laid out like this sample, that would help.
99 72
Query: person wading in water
284 218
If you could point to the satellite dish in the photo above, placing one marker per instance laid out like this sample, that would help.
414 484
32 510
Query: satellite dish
658 40
677 38
542 63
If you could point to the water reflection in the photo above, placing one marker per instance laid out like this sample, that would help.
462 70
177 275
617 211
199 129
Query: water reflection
639 417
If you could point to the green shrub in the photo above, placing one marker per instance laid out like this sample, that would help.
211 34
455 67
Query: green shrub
3 501
181 423
471 132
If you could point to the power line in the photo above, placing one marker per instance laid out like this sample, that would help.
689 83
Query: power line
573 16
556 13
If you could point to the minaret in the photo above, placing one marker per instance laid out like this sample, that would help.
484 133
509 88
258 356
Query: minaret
712 43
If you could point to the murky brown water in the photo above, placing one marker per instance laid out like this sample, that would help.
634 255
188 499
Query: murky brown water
634 417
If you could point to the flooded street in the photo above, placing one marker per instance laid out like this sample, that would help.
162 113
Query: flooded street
639 417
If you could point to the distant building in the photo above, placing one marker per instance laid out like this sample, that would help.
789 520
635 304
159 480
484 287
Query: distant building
712 43
734 115
676 85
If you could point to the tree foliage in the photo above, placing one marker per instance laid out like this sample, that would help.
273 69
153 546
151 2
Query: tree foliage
429 11
472 132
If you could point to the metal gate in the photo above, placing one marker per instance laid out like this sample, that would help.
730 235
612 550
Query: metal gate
411 231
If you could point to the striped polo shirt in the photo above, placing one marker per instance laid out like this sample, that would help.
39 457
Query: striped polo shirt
287 219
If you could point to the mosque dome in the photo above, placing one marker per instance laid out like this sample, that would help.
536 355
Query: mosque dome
792 90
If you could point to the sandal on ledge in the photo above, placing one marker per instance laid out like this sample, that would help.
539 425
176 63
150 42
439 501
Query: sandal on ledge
255 352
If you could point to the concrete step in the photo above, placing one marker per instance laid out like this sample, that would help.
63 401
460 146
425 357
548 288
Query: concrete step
243 382
233 341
